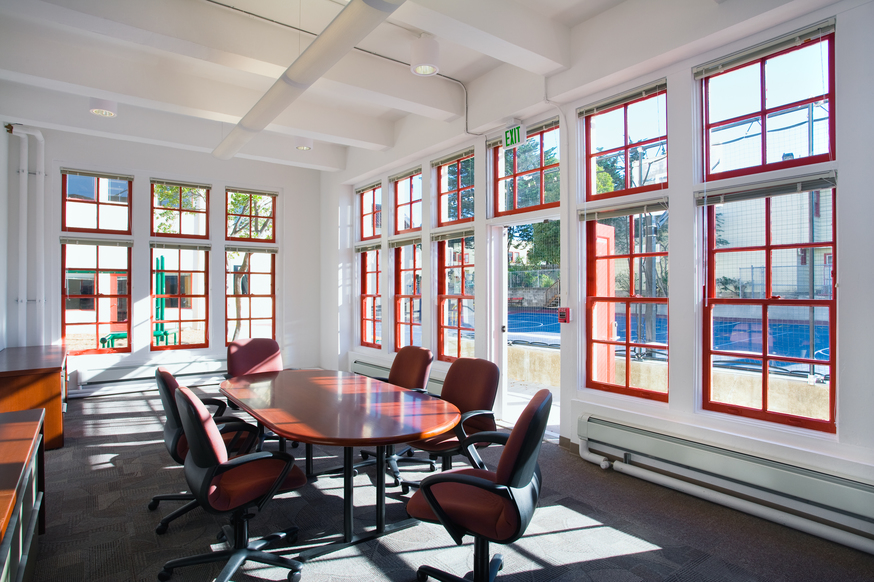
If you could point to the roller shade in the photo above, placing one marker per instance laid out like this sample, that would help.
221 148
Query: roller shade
367 188
656 205
250 191
822 181
90 174
368 247
269 250
97 242
393 244
529 130
405 174
179 184
179 246
758 51
451 235
636 93
452 158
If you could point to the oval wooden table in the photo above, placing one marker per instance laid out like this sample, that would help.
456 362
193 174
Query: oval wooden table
326 407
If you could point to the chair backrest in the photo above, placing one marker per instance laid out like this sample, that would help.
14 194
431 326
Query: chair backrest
253 356
174 436
472 384
206 448
518 461
411 367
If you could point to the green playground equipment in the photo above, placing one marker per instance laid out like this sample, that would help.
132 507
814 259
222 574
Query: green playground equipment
160 288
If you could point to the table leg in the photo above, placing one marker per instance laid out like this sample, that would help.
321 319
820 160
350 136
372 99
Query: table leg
348 505
380 489
309 459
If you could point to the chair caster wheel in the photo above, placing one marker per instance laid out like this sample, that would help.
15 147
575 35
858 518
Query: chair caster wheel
405 489
153 504
364 455
421 576
161 529
432 466
354 472
397 482
411 453
294 444
220 536
293 576
165 575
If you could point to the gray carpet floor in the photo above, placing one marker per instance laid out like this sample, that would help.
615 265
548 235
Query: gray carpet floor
591 525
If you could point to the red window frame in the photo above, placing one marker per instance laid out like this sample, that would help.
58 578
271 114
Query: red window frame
765 335
513 177
408 300
181 298
248 221
370 212
762 116
446 195
244 298
98 204
626 149
180 211
111 327
600 308
449 304
371 315
405 187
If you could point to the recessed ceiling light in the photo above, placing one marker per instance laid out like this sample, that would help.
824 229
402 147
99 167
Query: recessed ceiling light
303 143
103 107
425 56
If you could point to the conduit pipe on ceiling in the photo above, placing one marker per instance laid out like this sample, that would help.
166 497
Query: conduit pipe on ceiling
23 131
349 27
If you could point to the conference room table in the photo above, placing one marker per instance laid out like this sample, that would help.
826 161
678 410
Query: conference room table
325 407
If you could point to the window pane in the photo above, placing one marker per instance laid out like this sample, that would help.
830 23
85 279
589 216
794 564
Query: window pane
797 75
417 214
113 217
609 172
193 223
740 275
166 196
81 187
650 232
736 381
648 369
112 257
450 173
529 191
801 273
260 263
262 307
80 337
453 281
467 203
450 342
651 277
117 190
740 224
260 284
737 328
647 119
238 226
736 145
612 278
367 227
799 332
506 195
417 187
403 191
551 186
528 155
606 319
508 157
551 147
790 131
649 323
238 203
607 130
466 176
194 199
263 229
735 93
79 215
795 389
604 360
804 217
648 164
263 205
238 329
449 207
467 313
167 222
81 256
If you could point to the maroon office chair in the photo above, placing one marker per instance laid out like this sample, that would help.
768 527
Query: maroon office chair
239 438
494 506
253 356
471 384
410 369
233 487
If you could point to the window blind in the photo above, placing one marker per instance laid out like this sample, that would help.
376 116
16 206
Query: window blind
405 174
269 250
393 244
179 184
98 242
656 205
369 187
250 191
631 95
451 235
821 181
537 127
368 247
452 157
89 174
179 246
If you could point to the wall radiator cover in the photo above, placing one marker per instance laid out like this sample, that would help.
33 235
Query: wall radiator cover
372 370
818 496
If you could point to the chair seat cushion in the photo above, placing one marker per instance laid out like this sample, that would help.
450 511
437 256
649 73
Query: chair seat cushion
478 511
227 437
446 441
247 483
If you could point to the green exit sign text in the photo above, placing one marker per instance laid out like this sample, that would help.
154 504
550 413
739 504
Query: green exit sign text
514 136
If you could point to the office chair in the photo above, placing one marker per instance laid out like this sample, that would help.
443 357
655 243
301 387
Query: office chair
233 487
238 436
410 369
492 506
471 384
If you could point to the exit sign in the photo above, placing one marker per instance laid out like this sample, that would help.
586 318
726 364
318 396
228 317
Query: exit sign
514 136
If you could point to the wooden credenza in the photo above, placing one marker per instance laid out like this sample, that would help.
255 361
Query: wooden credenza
22 488
36 377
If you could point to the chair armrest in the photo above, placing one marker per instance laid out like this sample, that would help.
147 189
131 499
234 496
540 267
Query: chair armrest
220 405
242 429
465 416
452 528
468 445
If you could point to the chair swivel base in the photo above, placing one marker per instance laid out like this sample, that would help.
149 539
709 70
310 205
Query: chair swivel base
494 566
161 528
241 552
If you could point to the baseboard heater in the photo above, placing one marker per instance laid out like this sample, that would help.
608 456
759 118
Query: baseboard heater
377 371
834 508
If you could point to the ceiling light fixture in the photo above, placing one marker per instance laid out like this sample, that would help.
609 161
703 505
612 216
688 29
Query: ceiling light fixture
103 107
304 144
425 56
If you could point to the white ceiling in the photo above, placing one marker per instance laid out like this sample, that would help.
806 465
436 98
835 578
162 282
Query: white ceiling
185 71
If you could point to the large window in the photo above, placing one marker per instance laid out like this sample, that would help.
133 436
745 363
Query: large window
370 207
455 305
96 297
180 306
95 202
527 177
627 145
455 180
769 312
408 295
250 291
408 203
371 301
627 303
770 111
250 216
180 210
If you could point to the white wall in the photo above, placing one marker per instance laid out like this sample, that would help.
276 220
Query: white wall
297 227
4 230
668 46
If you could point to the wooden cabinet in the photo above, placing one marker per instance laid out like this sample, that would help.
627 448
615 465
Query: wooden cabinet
22 512
36 377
